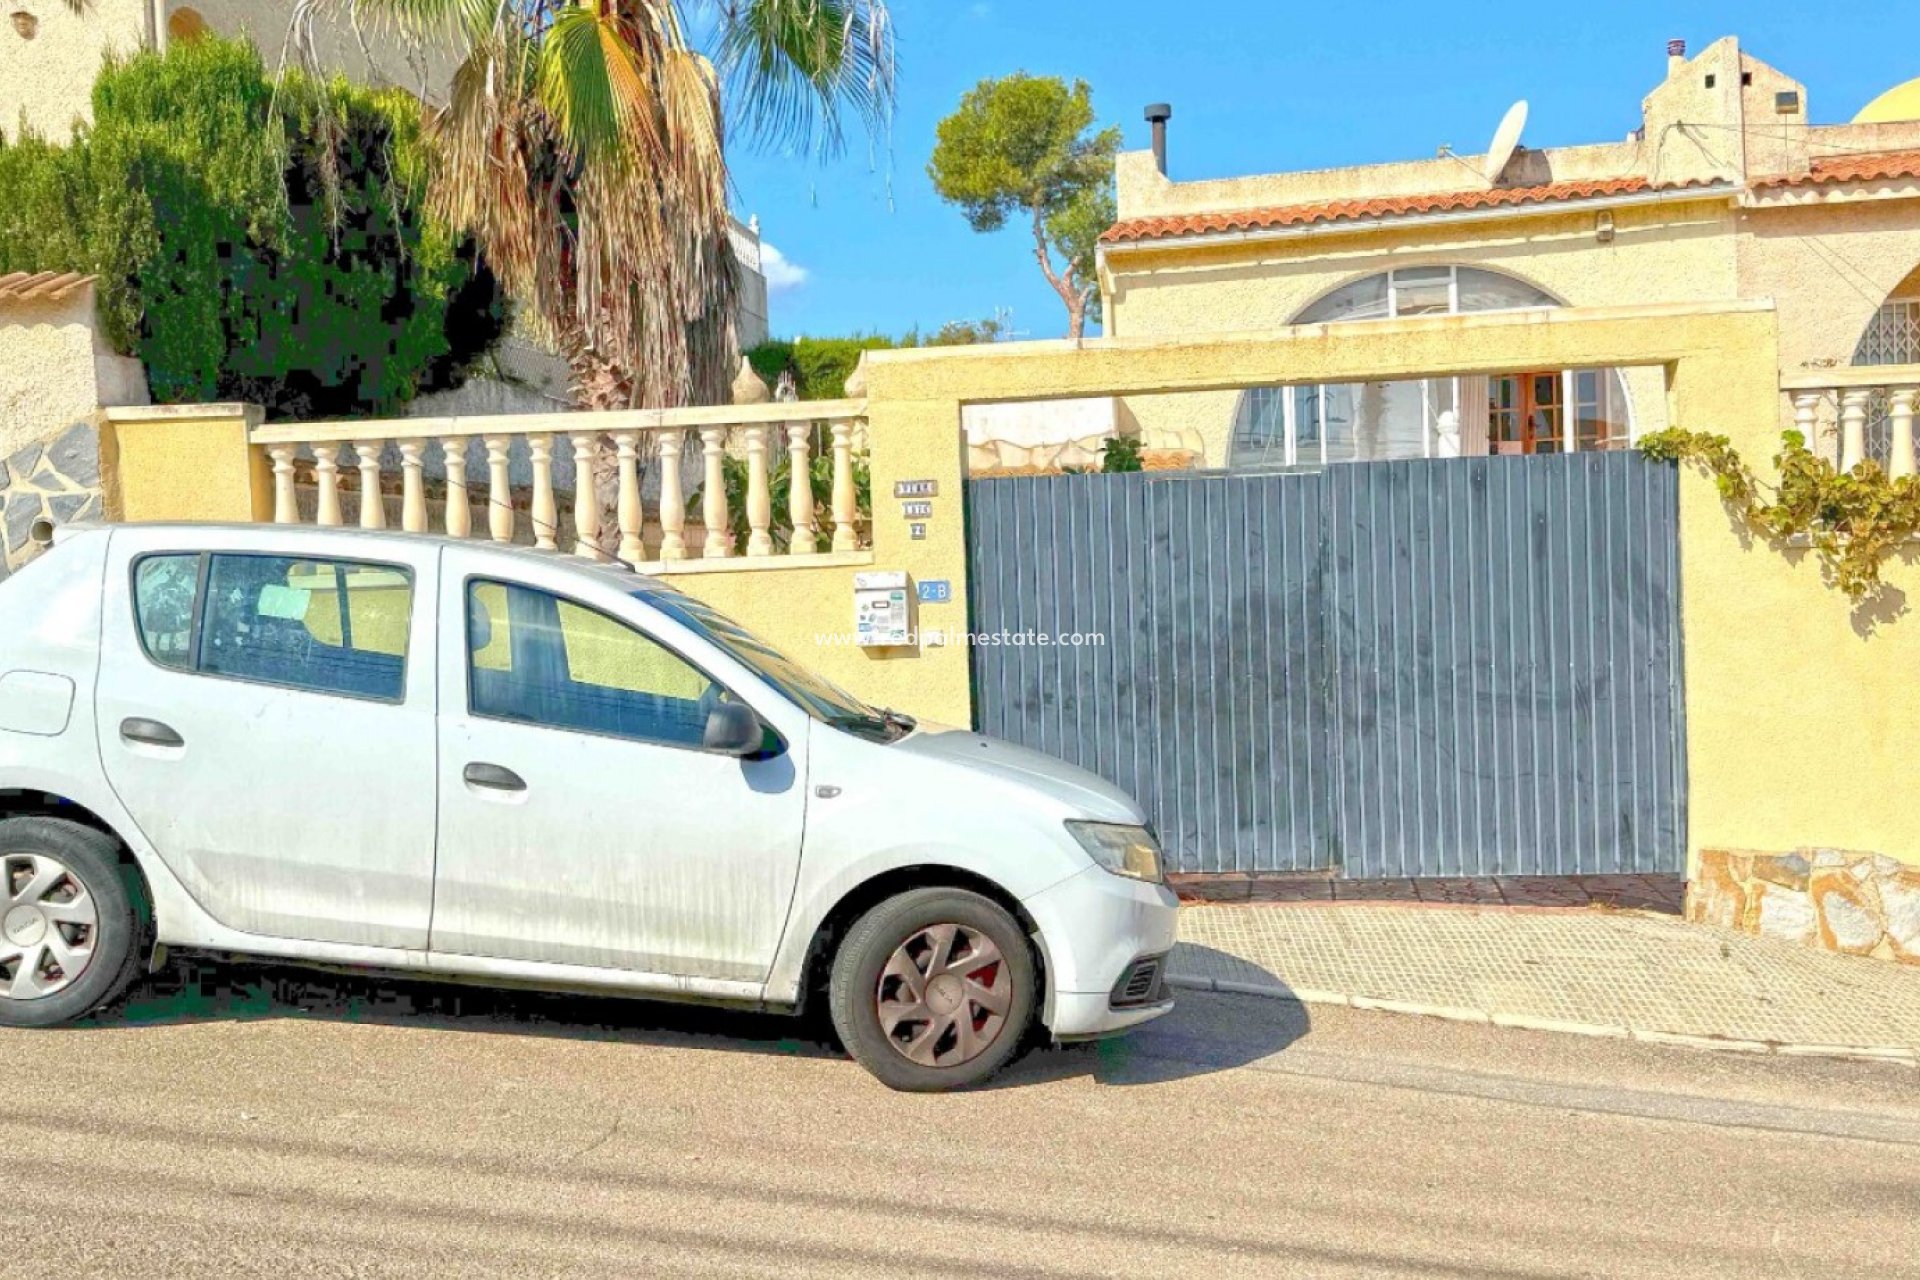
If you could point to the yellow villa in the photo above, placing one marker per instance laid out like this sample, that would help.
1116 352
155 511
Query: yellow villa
1725 192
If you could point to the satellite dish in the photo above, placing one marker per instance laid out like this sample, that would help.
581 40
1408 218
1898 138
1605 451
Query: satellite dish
1505 139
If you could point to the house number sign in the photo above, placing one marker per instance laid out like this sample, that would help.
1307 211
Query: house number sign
917 510
916 488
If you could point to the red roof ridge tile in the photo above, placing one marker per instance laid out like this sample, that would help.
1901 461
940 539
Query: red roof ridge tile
1133 230
1857 166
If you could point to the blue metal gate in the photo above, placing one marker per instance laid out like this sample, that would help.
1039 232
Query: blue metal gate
1468 667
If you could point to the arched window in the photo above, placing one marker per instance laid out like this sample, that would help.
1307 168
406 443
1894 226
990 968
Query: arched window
186 24
1892 336
1527 411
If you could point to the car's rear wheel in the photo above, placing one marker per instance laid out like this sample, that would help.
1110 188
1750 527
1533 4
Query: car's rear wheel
934 990
68 926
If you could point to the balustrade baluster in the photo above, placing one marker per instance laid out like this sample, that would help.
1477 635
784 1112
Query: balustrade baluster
1853 428
326 471
713 492
806 540
546 515
631 514
586 502
846 498
673 500
499 490
1900 407
373 512
413 487
759 494
285 511
459 505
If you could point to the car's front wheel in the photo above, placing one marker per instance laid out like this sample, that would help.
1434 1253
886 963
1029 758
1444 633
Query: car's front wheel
934 989
68 926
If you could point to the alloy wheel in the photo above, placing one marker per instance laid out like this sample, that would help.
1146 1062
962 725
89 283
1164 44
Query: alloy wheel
48 924
943 996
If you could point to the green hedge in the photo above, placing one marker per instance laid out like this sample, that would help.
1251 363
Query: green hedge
253 246
820 366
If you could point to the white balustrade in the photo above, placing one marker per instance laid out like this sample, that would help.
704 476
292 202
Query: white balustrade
1847 414
650 448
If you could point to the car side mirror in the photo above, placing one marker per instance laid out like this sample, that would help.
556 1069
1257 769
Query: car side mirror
733 729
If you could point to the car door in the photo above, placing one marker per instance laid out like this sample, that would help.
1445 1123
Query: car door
581 821
266 715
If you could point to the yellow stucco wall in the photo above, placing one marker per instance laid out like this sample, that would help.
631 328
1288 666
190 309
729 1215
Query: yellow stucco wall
184 462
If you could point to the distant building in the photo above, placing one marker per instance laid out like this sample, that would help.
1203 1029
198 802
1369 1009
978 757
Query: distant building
1726 191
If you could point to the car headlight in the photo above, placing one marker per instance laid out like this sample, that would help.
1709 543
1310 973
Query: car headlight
1125 851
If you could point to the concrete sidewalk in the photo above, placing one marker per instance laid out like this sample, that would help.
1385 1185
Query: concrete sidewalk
1594 972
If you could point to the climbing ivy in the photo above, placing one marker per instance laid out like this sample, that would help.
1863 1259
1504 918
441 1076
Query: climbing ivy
1854 520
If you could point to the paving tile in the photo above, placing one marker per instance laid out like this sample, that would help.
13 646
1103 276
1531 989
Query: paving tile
1375 891
1290 889
1653 975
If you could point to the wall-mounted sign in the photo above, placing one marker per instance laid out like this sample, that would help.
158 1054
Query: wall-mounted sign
916 510
917 532
936 591
916 488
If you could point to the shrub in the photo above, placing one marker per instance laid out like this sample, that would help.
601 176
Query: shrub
259 242
820 366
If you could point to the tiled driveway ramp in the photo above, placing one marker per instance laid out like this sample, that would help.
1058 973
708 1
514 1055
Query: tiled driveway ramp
1603 973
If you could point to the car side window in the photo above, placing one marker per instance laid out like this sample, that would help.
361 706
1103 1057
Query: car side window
329 626
164 590
539 659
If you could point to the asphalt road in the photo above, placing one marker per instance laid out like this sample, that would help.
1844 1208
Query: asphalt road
296 1125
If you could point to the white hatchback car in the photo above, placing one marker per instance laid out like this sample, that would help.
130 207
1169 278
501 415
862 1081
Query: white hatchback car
448 758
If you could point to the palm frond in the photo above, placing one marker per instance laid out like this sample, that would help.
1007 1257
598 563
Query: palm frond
593 83
792 67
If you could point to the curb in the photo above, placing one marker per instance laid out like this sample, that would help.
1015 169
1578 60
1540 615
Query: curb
1523 1022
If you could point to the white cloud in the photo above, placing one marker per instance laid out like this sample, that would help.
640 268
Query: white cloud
781 274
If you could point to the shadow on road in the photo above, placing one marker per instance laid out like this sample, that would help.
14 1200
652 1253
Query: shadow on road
1197 1038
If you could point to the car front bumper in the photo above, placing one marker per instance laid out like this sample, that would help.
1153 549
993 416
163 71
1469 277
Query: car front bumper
1094 928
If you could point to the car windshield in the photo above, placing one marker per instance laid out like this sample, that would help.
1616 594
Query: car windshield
813 694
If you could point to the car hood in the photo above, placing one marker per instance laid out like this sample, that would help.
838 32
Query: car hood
1087 795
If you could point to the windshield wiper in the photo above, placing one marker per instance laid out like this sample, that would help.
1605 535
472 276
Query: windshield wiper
886 722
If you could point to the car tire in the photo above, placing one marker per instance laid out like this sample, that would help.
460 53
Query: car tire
57 875
924 1021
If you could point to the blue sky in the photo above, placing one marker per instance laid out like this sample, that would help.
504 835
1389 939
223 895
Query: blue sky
1257 86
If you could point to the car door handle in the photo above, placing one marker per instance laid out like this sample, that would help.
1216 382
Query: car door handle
494 778
150 733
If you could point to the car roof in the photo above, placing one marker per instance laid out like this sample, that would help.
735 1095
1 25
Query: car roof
618 573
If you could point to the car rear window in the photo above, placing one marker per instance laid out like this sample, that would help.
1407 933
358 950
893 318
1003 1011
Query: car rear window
328 626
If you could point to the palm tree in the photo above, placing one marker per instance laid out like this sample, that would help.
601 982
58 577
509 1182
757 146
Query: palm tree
583 146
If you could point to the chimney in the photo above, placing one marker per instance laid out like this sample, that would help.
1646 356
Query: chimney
1157 115
1676 57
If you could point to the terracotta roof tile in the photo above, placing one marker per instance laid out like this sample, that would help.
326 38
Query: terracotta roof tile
1867 166
1137 229
44 286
